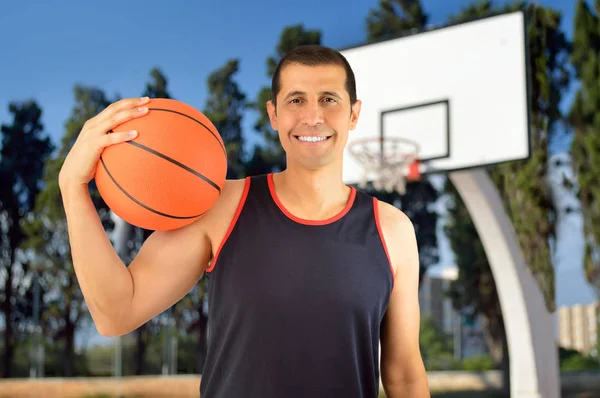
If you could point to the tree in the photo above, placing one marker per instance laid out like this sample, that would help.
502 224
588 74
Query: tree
436 347
393 19
258 163
523 185
474 291
225 108
24 150
476 10
157 87
585 119
291 37
47 233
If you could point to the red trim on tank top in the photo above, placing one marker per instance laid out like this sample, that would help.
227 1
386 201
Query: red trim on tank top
231 224
378 223
299 220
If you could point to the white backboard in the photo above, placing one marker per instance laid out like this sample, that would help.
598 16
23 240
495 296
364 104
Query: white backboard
460 92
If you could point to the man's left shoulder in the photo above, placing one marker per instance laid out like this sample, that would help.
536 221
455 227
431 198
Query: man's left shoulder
393 220
399 236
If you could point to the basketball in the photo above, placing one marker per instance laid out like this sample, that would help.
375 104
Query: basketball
170 174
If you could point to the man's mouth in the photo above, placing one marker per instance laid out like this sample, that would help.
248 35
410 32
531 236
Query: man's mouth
308 138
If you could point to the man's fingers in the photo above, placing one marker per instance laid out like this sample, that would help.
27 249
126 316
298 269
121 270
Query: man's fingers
116 119
115 108
118 137
126 103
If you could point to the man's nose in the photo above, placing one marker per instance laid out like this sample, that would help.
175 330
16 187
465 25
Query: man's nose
312 114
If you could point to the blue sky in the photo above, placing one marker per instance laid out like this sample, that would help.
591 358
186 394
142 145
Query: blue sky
47 47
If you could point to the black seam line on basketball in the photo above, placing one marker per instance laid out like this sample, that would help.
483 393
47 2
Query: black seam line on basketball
196 120
175 162
140 203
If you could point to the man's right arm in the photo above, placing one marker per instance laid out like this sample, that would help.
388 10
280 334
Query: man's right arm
169 263
121 298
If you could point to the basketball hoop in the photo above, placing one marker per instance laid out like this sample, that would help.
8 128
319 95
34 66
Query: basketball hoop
388 162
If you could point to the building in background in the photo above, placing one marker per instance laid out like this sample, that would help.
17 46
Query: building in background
467 336
433 300
578 327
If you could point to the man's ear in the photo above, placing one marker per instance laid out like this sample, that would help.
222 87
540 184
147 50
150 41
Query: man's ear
272 111
354 113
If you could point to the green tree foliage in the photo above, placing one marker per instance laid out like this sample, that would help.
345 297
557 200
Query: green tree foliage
272 153
225 108
573 360
474 291
585 119
157 86
434 344
48 235
481 8
393 19
523 185
24 148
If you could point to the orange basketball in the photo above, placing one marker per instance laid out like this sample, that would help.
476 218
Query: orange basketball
170 174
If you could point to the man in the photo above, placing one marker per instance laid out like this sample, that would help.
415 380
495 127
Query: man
307 276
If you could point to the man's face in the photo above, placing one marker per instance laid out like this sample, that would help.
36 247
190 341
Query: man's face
313 114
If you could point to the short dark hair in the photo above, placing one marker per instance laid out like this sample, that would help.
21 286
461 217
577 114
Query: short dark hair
314 55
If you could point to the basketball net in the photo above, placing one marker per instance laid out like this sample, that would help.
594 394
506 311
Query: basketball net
387 162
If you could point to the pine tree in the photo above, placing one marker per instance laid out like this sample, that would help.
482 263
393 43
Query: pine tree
585 118
24 148
48 234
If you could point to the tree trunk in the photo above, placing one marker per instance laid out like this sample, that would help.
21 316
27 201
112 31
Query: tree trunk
7 309
493 343
495 336
141 334
505 366
69 353
202 329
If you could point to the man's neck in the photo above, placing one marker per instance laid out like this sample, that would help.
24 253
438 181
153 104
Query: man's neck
313 194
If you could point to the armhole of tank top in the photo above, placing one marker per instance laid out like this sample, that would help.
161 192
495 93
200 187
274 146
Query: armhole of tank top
234 219
382 238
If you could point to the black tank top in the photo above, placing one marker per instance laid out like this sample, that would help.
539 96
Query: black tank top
295 306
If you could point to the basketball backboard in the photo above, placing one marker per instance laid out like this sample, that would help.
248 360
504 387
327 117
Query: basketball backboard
460 93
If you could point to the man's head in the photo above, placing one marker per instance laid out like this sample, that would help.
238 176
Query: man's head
314 105
313 55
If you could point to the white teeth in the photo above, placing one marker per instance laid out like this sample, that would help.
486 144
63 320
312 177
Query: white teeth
311 139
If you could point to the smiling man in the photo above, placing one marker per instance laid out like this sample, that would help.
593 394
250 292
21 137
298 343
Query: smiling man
315 274
307 277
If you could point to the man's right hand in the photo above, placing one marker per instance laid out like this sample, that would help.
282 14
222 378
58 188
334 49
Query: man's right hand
80 164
